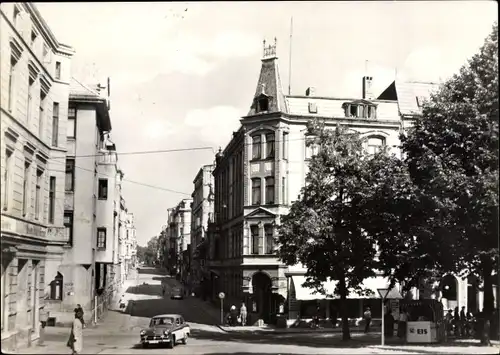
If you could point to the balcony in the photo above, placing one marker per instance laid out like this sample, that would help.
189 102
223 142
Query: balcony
107 158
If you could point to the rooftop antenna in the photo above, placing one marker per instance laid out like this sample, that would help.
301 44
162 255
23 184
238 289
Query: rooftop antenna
290 58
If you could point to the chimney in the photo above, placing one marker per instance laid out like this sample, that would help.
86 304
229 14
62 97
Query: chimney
310 91
367 88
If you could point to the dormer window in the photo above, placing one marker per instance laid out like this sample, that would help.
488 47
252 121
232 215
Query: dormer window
33 37
360 109
313 108
263 104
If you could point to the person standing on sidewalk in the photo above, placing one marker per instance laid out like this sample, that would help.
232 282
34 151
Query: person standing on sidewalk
243 313
368 319
75 342
44 316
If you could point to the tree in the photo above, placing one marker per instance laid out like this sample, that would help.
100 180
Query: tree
452 156
322 230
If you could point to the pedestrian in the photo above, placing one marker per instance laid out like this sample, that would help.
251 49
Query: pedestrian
449 322
44 316
485 339
233 315
368 319
388 323
456 321
463 320
75 341
80 309
403 319
243 313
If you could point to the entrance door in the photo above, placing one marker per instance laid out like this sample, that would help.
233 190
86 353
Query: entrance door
261 284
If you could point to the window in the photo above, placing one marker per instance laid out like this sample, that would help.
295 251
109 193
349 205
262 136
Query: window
41 115
103 189
359 110
16 16
375 144
33 38
353 111
285 145
254 230
6 179
268 230
311 147
38 193
55 123
313 108
26 185
269 190
30 99
45 51
283 190
71 122
12 78
256 195
70 175
52 198
270 145
101 238
56 287
256 146
58 70
263 104
68 226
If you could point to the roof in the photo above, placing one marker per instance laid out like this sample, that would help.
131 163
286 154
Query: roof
78 89
409 92
408 95
332 107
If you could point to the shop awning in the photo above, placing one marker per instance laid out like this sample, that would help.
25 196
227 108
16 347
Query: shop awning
373 283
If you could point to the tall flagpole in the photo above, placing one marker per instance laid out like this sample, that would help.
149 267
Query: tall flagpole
290 58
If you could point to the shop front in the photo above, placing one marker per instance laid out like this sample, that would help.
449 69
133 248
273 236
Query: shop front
425 321
304 303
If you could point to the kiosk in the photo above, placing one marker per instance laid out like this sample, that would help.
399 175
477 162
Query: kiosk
425 321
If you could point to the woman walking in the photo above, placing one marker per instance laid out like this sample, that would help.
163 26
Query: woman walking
75 342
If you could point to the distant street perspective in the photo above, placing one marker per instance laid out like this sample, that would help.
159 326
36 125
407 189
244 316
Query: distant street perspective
249 177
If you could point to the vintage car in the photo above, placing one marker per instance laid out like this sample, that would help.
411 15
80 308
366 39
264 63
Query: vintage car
177 293
166 329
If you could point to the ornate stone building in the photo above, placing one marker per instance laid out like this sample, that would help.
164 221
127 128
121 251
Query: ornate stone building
35 75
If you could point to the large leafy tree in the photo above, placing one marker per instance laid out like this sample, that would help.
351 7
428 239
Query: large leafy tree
452 157
322 230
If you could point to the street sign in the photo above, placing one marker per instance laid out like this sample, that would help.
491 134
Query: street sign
222 295
383 292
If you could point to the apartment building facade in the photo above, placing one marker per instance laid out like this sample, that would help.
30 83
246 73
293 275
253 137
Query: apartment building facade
202 209
35 74
259 175
88 205
178 233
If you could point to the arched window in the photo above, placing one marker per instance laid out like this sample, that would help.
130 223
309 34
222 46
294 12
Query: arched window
56 288
256 147
375 144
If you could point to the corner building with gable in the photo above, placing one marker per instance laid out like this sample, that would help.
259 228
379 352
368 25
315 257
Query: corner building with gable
259 175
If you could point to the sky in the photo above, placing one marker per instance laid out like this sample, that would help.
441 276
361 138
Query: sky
183 74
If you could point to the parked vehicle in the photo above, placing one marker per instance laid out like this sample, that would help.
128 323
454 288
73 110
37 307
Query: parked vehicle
177 293
166 329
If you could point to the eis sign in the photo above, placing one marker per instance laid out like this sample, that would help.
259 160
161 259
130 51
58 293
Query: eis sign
418 331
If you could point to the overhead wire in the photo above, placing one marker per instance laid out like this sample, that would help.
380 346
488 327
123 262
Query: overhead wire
125 180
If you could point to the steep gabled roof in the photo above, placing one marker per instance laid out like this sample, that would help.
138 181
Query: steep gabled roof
409 95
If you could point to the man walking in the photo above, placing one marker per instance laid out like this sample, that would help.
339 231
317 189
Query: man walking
368 319
243 313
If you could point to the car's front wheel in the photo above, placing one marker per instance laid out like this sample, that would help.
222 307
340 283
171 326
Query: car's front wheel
171 342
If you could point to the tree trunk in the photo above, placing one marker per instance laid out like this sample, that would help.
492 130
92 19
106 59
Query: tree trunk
346 334
488 303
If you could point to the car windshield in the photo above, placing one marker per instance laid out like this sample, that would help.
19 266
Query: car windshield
161 321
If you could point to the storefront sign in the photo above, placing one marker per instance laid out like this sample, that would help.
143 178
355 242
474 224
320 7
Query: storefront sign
394 307
421 332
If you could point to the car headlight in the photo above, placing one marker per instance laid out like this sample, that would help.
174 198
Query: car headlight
166 332
143 332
